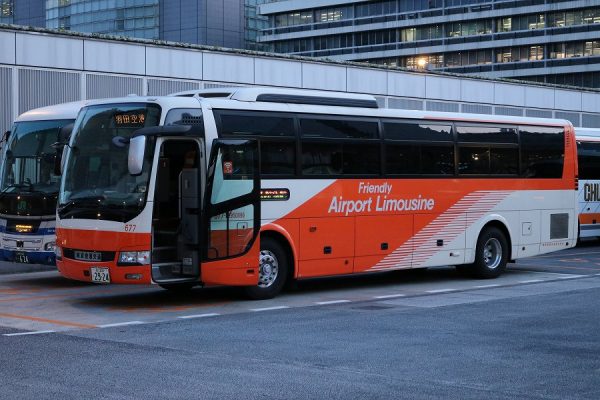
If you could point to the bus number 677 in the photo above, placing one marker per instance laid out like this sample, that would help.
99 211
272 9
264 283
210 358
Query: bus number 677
130 227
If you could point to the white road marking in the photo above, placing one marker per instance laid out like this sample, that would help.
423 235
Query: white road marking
571 276
487 286
269 308
199 316
389 296
121 324
531 281
548 273
440 291
27 333
324 303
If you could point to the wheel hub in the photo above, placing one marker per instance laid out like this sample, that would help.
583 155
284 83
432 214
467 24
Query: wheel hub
269 269
492 253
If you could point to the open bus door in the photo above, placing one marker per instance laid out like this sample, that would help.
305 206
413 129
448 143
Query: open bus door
232 214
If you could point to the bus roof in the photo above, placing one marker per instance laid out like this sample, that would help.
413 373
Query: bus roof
307 101
588 134
58 111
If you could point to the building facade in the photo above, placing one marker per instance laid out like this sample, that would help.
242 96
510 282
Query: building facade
255 24
224 23
6 11
210 22
43 67
550 41
138 18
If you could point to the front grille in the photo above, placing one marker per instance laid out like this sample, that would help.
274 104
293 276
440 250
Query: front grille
105 256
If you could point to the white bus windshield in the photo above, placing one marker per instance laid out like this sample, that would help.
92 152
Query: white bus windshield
96 178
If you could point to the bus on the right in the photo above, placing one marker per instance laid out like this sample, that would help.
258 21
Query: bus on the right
588 155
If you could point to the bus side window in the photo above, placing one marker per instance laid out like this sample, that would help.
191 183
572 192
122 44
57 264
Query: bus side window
356 149
321 159
276 132
488 150
417 148
542 151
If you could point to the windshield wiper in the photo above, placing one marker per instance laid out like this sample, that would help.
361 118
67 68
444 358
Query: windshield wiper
84 201
29 187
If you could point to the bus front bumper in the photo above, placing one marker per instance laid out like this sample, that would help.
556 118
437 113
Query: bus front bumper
33 257
83 271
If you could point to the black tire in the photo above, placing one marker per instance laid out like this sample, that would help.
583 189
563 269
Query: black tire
178 287
273 270
491 254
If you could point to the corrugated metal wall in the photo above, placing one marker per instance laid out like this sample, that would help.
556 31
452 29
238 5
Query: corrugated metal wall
217 85
104 86
538 113
405 104
476 109
6 97
509 111
573 117
590 120
441 106
162 87
40 88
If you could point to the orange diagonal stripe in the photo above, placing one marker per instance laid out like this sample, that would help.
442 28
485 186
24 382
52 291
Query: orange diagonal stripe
49 321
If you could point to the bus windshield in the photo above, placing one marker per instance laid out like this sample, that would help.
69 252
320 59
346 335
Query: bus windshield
97 183
29 158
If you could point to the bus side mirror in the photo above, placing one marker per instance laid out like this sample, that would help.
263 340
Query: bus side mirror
64 134
135 158
5 136
59 160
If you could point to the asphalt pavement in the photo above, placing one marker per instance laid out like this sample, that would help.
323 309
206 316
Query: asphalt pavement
534 333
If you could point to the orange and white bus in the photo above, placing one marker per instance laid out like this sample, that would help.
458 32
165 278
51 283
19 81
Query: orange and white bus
588 154
264 185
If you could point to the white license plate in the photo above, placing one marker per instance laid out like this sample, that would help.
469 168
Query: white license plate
100 275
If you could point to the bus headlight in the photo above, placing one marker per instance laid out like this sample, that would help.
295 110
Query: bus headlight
134 258
58 252
50 246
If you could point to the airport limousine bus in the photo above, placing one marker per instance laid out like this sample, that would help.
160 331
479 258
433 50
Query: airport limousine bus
588 151
265 185
28 185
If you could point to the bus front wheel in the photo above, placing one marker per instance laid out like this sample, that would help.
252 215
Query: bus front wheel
273 270
491 254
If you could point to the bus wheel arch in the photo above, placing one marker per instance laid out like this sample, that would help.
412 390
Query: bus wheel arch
276 266
504 229
492 251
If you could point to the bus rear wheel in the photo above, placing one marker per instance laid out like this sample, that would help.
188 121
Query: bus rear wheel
491 254
273 270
